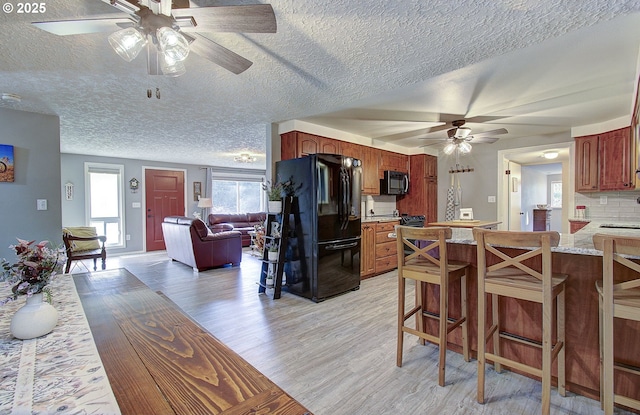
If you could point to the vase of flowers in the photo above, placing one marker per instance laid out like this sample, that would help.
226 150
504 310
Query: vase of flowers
30 275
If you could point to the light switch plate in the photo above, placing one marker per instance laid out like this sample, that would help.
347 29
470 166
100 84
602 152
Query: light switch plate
42 204
135 205
491 199
603 200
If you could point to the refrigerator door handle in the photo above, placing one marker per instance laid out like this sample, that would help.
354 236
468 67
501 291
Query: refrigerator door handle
341 246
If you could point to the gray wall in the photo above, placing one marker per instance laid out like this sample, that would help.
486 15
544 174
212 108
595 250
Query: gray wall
73 211
483 181
36 141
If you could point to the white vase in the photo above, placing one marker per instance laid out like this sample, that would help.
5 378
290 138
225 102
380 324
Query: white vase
275 206
34 319
272 255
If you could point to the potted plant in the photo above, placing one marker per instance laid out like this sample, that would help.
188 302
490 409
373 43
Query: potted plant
274 196
272 251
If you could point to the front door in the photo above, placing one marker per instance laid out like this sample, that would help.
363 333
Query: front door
164 196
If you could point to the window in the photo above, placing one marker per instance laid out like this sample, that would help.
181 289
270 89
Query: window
104 202
556 194
234 196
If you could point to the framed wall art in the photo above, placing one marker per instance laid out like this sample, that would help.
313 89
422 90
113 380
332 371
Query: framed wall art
6 163
197 191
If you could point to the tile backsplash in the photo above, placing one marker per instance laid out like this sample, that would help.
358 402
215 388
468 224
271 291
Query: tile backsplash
621 206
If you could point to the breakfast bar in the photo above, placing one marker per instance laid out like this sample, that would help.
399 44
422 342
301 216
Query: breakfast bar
576 257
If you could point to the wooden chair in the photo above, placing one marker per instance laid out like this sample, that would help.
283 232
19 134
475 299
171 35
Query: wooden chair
617 300
82 243
514 275
421 265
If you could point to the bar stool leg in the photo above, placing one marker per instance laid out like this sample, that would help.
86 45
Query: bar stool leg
465 315
442 329
401 298
422 302
495 321
481 342
547 327
608 360
561 322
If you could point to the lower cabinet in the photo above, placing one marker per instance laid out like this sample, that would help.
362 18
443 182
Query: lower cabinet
377 249
576 225
368 250
541 219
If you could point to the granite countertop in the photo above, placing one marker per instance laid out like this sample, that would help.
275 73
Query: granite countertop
580 242
380 218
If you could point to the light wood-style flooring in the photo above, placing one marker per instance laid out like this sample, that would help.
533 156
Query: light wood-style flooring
337 357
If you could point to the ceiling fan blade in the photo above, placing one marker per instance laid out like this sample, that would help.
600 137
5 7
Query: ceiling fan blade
78 27
257 18
219 55
483 140
499 131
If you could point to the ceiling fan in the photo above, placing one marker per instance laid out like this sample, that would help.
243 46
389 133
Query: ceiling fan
169 31
459 138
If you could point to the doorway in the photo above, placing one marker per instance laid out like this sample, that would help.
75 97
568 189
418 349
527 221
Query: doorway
164 196
515 208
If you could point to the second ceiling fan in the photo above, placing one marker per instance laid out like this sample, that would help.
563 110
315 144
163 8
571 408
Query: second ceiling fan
460 138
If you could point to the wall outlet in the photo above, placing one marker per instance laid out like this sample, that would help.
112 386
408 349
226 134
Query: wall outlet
41 204
135 205
128 237
603 200
491 199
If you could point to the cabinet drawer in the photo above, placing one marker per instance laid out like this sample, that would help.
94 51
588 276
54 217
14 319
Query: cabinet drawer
383 237
386 249
386 226
386 264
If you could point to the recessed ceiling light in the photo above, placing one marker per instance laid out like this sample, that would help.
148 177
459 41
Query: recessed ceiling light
11 97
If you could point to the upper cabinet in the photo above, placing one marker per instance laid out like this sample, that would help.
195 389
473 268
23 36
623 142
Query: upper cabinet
606 162
392 161
296 144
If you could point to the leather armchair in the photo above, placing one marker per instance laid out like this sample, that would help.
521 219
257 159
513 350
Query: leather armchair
189 241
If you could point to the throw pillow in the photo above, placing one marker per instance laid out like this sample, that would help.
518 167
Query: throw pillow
82 232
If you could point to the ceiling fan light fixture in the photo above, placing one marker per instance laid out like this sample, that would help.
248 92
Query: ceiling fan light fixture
464 147
462 132
550 155
449 148
127 43
172 44
244 158
170 67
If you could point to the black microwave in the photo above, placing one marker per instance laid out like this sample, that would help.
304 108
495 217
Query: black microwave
394 183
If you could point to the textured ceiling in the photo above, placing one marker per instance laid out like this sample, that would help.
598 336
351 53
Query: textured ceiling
380 69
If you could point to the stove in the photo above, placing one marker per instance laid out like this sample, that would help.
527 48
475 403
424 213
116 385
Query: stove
416 221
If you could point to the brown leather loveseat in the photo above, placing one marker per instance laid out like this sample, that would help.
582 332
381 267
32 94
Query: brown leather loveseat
243 222
189 241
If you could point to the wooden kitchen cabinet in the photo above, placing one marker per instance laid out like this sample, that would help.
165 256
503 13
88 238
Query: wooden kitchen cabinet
386 247
422 198
388 160
576 225
294 144
606 162
367 250
617 160
541 219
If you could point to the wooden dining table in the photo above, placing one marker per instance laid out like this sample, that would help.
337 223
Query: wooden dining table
160 361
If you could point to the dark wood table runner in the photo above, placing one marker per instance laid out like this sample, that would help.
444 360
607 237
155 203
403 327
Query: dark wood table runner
159 361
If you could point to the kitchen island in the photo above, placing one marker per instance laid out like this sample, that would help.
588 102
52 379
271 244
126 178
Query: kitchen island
467 224
576 257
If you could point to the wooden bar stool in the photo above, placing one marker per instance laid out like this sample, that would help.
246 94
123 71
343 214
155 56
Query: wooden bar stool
507 274
421 266
619 300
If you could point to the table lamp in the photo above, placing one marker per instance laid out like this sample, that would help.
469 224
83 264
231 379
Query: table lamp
204 203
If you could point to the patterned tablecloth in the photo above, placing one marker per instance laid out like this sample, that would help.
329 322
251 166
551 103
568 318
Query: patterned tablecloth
58 373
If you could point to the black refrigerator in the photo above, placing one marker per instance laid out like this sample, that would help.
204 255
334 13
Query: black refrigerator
323 256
